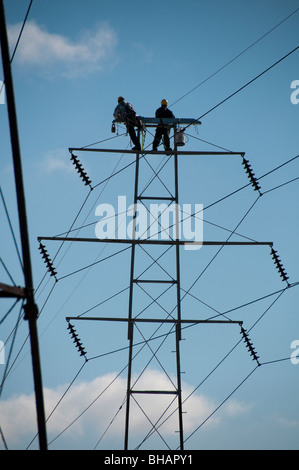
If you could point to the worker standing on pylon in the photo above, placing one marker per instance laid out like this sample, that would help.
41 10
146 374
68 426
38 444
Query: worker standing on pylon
126 112
163 129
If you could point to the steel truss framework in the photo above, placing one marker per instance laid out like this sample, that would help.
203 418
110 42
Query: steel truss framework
138 279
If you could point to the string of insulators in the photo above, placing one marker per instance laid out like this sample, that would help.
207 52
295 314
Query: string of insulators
76 339
80 170
47 260
249 346
251 175
279 265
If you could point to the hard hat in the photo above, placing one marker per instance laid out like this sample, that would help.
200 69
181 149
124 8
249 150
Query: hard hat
120 98
164 102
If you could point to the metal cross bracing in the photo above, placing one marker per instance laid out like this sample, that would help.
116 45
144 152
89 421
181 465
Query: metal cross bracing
153 279
137 280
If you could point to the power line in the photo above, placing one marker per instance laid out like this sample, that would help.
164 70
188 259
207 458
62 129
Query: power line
216 367
143 344
231 95
281 185
207 207
18 40
221 404
61 398
11 348
21 31
11 227
30 307
281 165
249 83
246 85
3 439
93 264
278 167
236 57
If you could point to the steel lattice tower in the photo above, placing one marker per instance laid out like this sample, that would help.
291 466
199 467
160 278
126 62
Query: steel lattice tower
140 279
176 390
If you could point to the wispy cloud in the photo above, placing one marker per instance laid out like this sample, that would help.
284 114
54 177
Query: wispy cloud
45 50
288 423
55 161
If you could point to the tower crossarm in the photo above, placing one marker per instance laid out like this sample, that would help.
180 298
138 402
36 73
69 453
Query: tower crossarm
156 152
173 122
155 320
12 291
149 241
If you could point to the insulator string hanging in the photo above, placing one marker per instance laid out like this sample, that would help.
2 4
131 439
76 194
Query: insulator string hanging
251 175
80 170
279 265
249 346
76 340
47 260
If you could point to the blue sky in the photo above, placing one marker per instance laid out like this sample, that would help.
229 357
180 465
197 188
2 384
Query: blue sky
73 61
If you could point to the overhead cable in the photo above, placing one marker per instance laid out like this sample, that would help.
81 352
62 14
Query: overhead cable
235 58
221 404
18 40
21 31
244 86
11 228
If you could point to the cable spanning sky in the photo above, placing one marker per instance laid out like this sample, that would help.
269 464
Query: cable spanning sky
235 67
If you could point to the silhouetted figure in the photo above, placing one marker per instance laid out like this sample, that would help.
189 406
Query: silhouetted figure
163 130
126 112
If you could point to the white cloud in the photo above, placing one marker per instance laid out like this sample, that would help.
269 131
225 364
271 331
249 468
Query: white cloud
56 160
288 423
45 50
234 408
17 414
52 164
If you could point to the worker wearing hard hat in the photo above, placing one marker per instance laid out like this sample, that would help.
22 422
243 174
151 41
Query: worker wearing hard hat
125 112
163 130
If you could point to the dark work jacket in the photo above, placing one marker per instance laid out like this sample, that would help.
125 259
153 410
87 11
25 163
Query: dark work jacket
163 112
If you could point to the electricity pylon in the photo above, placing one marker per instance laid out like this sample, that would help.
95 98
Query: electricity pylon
162 321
